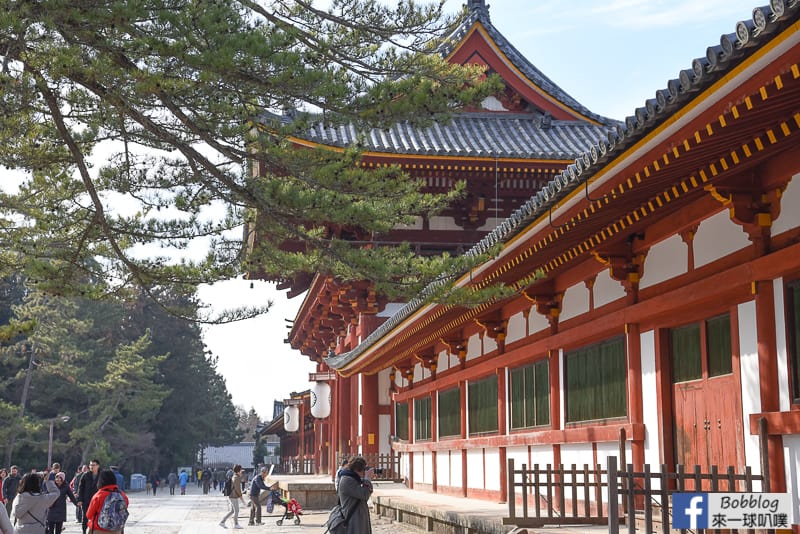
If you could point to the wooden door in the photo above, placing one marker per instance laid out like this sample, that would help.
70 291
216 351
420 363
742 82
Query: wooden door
706 396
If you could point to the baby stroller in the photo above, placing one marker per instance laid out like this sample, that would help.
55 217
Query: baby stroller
291 508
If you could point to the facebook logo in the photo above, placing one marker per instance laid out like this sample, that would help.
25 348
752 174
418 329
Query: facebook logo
689 510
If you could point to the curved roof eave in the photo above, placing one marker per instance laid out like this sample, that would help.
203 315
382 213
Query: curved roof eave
734 49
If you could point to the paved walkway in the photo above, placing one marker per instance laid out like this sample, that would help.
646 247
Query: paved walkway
195 513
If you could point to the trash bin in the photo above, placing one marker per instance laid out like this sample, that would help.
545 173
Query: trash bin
138 481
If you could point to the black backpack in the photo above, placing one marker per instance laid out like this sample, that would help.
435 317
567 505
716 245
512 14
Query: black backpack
226 489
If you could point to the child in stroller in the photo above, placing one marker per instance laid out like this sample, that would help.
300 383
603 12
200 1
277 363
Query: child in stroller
291 508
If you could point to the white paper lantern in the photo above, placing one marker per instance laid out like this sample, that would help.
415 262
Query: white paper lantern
291 419
321 400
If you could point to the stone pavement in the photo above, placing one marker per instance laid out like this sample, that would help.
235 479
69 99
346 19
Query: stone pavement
195 513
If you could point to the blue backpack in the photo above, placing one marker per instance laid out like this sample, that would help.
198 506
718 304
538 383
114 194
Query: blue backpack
113 513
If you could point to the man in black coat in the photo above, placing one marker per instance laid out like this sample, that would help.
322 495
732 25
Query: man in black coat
86 490
10 487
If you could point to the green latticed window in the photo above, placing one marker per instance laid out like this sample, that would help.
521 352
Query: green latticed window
793 326
422 418
449 409
596 381
482 409
401 420
530 395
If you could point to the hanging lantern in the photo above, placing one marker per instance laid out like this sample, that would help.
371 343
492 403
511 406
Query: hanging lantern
291 419
321 400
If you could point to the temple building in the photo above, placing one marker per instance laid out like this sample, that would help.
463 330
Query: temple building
666 295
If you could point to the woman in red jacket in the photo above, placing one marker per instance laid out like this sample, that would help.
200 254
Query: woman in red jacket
106 484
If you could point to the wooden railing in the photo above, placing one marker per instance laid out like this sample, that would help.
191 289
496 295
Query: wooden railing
385 466
573 495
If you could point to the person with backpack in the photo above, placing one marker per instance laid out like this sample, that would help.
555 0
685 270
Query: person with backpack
30 504
108 509
354 491
233 490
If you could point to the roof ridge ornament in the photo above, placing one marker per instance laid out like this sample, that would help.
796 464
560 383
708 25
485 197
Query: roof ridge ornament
478 7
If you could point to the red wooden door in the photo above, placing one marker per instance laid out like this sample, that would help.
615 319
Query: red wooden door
706 397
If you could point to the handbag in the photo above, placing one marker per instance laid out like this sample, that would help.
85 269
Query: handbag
337 521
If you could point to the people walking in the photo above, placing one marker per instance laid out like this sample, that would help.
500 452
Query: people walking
183 479
57 513
354 491
30 504
172 480
86 490
234 498
106 485
259 484
154 481
10 487
74 485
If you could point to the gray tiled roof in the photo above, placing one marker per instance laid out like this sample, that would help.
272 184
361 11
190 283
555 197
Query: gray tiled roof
719 60
470 134
479 12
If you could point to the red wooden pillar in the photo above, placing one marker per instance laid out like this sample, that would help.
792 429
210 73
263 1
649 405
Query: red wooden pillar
554 365
369 414
464 433
768 371
434 439
410 423
343 408
301 453
502 429
635 403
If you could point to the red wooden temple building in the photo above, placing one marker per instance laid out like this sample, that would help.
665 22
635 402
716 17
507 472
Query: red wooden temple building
667 300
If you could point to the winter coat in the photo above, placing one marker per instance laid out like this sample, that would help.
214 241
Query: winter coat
10 487
5 523
30 509
256 487
97 505
353 496
172 478
236 487
58 512
87 487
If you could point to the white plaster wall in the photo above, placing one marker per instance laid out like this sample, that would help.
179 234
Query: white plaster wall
419 467
717 237
360 398
519 455
575 302
537 322
404 465
578 454
475 474
474 347
489 345
751 396
542 455
491 223
791 455
652 445
516 328
417 225
443 223
384 431
443 361
443 468
454 362
383 388
788 218
427 467
418 373
606 289
492 475
456 471
665 260
780 338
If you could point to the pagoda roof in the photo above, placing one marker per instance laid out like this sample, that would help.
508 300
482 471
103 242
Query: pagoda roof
724 60
471 134
478 16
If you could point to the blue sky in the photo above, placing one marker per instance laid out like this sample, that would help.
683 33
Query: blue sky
609 55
